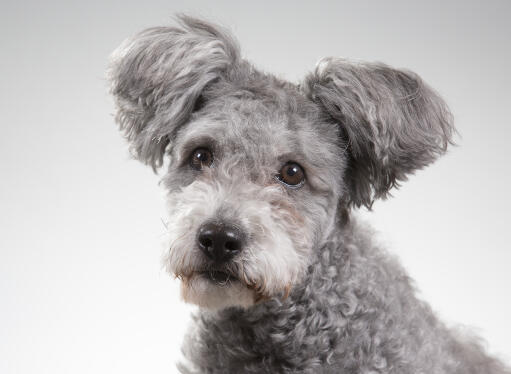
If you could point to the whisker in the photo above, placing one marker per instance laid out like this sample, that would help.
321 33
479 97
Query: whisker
165 224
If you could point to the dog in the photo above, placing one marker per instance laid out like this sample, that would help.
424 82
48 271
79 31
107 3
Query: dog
262 177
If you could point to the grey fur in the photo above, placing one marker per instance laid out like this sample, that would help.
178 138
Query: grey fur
394 122
158 75
312 292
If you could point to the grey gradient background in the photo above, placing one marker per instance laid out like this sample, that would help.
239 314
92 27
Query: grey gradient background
81 287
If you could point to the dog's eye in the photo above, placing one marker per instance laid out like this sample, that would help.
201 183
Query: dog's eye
291 175
201 157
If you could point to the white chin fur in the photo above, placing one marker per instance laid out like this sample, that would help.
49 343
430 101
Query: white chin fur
207 294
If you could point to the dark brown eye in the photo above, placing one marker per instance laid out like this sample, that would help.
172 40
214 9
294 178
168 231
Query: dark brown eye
200 158
292 175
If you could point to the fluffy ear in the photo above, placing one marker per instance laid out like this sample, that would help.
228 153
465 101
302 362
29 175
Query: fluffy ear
158 75
394 123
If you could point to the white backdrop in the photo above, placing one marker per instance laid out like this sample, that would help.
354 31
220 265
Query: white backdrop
81 285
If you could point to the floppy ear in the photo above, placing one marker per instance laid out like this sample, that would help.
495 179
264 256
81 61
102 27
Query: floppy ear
157 77
394 123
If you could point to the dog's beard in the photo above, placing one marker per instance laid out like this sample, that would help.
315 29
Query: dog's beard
234 284
259 273
216 287
208 292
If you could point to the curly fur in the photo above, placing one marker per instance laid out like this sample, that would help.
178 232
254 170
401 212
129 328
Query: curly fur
355 312
311 292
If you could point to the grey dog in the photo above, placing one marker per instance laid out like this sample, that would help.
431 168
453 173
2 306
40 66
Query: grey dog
262 176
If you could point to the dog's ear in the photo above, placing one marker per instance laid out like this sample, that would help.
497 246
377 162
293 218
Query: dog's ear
393 122
157 78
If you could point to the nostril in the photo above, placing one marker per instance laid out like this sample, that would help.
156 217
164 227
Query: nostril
232 246
206 242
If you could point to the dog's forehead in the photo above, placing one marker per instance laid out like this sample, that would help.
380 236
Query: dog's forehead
266 128
255 126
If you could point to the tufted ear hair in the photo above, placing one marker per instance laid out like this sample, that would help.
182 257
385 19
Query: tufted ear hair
157 78
394 123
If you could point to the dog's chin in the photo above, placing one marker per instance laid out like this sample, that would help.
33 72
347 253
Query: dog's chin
216 291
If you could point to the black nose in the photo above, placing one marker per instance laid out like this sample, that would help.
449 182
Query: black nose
220 242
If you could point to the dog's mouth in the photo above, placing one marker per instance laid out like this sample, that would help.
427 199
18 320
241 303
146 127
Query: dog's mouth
219 277
221 287
217 289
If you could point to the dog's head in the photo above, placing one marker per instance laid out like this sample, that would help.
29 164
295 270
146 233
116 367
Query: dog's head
260 170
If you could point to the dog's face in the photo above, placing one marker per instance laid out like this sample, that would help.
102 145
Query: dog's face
252 187
258 168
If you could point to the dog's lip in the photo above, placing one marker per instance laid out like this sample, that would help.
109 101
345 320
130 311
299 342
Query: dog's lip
220 277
